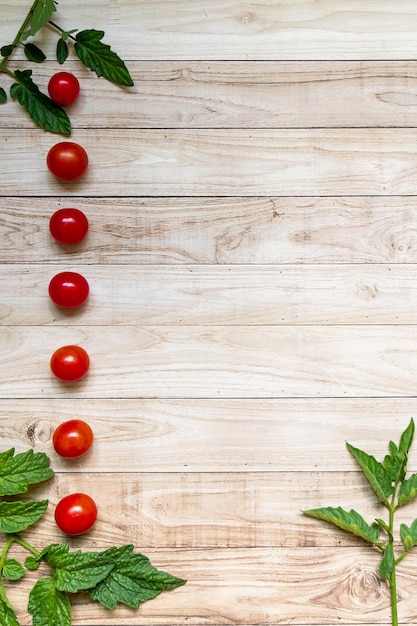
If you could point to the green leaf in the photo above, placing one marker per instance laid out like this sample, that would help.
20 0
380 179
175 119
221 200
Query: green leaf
396 463
32 563
375 472
133 580
7 615
408 490
42 13
33 53
61 51
19 471
13 570
6 51
350 521
409 535
387 565
407 437
43 111
76 571
99 57
48 605
3 95
383 525
18 516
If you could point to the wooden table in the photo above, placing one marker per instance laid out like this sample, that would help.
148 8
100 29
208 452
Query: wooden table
251 259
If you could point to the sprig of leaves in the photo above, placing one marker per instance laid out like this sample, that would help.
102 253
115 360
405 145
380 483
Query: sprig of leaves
393 489
87 46
114 576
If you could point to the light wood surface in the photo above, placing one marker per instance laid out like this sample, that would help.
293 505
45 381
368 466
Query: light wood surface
252 267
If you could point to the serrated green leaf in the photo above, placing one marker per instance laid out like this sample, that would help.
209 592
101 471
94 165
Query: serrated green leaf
99 57
61 51
3 95
48 605
13 570
7 615
41 14
387 563
133 580
6 51
34 53
406 537
350 521
43 111
18 516
396 464
18 472
375 472
407 437
408 490
76 571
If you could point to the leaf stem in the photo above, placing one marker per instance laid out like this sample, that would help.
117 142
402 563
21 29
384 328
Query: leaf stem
63 32
18 37
25 544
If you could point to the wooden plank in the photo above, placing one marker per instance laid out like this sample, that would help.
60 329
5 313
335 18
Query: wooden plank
253 587
214 361
215 230
220 162
220 295
241 94
200 435
264 30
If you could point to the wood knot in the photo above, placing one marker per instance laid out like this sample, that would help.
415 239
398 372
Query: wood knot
39 432
365 588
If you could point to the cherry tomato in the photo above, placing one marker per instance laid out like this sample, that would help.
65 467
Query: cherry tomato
70 363
68 289
76 514
68 225
67 160
72 439
63 88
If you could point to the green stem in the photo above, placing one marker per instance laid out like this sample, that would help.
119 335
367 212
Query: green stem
18 37
63 32
393 577
393 588
25 545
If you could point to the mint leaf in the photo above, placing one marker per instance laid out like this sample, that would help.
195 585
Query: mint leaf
133 580
351 521
408 490
48 605
388 562
33 53
375 472
19 471
61 51
43 111
18 516
99 57
13 570
7 615
42 13
75 571
3 95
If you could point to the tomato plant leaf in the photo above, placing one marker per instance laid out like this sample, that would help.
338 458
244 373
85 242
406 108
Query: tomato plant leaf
19 471
42 12
350 521
133 580
6 50
48 605
375 472
409 535
387 563
33 53
76 571
99 57
408 490
17 516
43 111
407 437
13 570
7 615
61 51
3 95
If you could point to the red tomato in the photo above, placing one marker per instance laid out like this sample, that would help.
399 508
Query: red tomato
63 88
70 363
67 160
68 289
76 514
72 439
68 225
